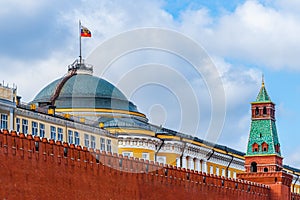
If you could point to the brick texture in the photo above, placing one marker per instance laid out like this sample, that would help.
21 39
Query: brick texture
34 168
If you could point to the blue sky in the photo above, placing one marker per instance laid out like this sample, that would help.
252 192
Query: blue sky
243 38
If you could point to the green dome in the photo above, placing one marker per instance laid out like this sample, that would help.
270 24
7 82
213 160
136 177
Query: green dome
85 91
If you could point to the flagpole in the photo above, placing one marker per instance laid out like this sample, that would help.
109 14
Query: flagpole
80 57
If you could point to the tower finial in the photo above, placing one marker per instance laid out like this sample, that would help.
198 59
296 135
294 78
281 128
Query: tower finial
262 80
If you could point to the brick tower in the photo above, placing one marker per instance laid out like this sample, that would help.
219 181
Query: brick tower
263 160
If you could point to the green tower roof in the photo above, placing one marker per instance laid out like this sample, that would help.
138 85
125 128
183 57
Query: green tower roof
263 95
263 131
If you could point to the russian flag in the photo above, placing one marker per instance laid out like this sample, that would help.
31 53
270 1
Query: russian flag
85 32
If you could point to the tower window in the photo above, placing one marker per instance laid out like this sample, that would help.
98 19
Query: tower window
265 169
256 111
253 167
264 110
264 147
255 147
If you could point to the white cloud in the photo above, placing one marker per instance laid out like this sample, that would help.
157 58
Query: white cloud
258 35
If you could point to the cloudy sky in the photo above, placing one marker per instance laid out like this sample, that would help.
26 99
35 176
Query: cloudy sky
244 39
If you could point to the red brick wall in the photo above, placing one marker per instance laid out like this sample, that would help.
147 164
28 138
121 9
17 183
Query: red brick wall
28 172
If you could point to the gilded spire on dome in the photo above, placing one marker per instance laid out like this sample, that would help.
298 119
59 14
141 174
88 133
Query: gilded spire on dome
263 95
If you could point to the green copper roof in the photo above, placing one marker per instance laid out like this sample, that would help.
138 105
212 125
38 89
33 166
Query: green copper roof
263 95
263 131
86 91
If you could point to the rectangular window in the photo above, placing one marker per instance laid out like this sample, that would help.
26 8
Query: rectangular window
229 174
4 121
70 137
24 126
223 172
60 134
34 126
102 144
127 153
93 142
86 140
18 124
53 132
77 141
234 174
217 171
42 130
145 156
211 169
108 145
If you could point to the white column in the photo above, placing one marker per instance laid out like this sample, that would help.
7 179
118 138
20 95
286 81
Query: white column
204 166
178 162
191 163
197 164
184 162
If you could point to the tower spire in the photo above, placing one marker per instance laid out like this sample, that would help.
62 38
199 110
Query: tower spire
262 80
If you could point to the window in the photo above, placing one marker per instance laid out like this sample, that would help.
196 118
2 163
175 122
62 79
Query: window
60 134
255 147
4 121
229 173
108 145
86 140
211 169
256 111
34 126
93 142
18 124
102 144
145 156
25 126
234 174
217 171
77 141
253 167
264 110
161 159
42 130
53 132
127 153
264 146
70 137
223 172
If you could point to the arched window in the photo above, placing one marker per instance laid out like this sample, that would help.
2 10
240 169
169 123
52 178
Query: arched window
264 110
256 111
264 147
255 147
265 169
253 167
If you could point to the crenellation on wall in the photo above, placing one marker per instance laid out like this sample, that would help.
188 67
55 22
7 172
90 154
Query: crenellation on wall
104 173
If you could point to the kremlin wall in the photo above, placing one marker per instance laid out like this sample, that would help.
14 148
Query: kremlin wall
80 138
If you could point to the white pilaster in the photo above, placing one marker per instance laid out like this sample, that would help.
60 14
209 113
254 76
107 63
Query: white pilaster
184 162
197 164
204 166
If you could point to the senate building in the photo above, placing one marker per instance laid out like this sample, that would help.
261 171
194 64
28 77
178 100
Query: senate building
82 110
